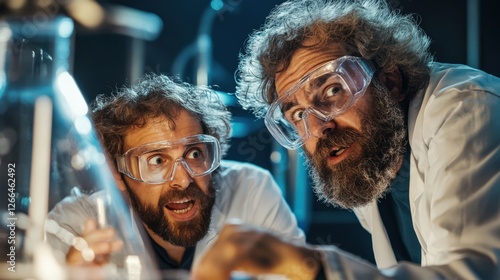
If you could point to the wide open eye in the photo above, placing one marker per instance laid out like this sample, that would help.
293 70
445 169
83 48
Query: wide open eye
333 97
194 153
198 158
155 160
292 114
333 90
297 115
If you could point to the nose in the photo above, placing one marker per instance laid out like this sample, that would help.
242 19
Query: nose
319 125
179 178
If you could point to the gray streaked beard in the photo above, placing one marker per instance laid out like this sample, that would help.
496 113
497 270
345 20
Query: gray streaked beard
355 182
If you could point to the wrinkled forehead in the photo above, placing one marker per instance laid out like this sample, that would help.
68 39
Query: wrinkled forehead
162 129
315 83
173 146
303 61
163 147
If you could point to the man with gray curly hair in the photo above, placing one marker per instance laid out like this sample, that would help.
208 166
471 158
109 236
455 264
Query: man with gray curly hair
409 144
167 139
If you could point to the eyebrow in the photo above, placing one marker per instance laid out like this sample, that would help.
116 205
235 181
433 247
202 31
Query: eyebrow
319 81
146 148
287 107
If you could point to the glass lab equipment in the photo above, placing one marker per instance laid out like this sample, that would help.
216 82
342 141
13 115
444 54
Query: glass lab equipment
49 152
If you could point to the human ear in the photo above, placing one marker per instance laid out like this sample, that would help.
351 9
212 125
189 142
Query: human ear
393 81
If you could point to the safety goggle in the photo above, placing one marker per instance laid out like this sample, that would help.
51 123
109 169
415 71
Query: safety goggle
154 163
324 93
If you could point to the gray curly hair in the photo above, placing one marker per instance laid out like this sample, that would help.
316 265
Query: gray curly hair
153 96
364 28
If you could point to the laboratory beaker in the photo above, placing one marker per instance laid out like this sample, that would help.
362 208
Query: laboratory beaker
51 157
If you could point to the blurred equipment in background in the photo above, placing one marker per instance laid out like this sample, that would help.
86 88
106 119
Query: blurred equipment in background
201 48
249 136
49 150
104 22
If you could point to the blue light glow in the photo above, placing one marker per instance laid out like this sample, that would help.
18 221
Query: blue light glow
217 5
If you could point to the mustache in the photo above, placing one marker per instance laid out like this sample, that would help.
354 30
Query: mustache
193 191
337 137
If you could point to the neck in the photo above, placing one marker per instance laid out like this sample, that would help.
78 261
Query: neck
173 251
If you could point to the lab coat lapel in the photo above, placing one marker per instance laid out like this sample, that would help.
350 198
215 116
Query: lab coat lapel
383 253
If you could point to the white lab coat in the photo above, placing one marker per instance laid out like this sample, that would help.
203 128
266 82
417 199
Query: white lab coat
243 191
454 135
250 194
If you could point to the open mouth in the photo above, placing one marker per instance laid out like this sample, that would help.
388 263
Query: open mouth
338 154
337 151
180 206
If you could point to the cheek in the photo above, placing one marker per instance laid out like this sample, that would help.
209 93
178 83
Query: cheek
310 145
351 118
203 182
360 111
145 193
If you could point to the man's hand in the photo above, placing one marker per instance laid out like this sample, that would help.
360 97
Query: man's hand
94 247
251 250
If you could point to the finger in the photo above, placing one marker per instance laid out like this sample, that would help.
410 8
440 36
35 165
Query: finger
100 235
225 253
74 257
237 226
255 251
89 226
101 252
103 243
235 233
99 242
116 245
209 273
106 247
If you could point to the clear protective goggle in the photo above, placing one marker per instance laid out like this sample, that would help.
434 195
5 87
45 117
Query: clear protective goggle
324 93
153 163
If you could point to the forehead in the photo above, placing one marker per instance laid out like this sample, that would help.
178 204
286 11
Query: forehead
159 129
303 61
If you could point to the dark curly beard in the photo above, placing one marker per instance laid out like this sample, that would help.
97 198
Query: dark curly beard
186 233
355 182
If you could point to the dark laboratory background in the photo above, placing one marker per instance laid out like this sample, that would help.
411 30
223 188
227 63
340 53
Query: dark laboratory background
199 41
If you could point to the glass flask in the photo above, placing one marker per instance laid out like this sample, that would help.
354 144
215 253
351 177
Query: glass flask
49 152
